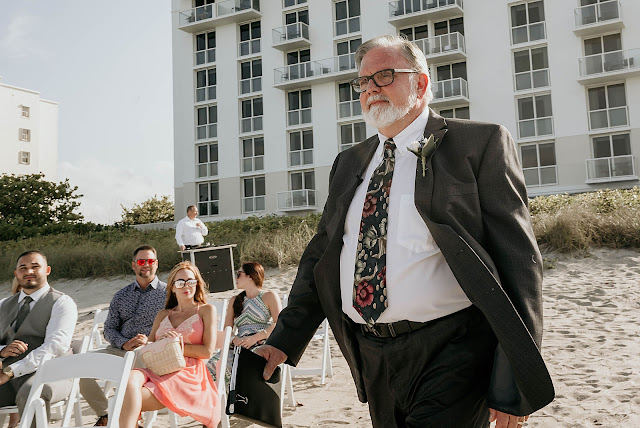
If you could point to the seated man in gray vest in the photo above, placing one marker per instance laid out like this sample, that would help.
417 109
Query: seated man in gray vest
131 314
35 324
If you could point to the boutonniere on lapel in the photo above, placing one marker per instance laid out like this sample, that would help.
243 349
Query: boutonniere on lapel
423 148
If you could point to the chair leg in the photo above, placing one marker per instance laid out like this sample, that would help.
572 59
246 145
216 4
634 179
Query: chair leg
287 386
223 403
3 417
173 420
150 418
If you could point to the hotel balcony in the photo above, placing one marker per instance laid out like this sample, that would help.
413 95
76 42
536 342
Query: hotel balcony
609 66
293 76
444 48
414 12
212 15
297 200
292 36
598 18
616 168
448 93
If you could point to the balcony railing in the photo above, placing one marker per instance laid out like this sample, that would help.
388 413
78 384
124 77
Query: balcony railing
190 19
609 62
314 68
615 168
599 12
443 44
290 32
609 118
296 199
403 8
449 89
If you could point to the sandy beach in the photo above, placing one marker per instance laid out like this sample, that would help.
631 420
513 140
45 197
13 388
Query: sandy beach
591 345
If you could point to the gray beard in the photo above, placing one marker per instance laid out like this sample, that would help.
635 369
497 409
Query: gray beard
382 116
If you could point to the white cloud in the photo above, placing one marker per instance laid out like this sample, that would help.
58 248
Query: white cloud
106 186
19 41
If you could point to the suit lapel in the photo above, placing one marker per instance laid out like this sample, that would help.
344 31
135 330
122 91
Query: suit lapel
437 126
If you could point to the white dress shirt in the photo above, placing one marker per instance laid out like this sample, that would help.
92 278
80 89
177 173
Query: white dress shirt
58 335
188 232
420 284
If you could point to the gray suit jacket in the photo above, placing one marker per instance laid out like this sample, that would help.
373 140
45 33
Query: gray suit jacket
473 200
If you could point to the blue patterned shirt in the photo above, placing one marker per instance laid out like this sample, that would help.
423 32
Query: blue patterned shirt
133 310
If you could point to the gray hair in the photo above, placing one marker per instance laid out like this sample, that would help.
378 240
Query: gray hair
407 50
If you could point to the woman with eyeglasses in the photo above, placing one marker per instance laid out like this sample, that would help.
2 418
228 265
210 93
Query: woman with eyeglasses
191 390
254 311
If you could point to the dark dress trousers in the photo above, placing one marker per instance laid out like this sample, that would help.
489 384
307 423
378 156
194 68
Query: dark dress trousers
473 200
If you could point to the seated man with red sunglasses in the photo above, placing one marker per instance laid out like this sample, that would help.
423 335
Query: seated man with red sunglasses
131 314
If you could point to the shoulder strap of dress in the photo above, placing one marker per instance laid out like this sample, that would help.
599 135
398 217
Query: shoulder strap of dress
198 308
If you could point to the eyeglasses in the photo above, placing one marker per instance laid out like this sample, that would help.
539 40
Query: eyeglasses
180 283
142 262
239 273
380 78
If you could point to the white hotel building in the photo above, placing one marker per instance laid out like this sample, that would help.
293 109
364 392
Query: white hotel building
262 103
28 133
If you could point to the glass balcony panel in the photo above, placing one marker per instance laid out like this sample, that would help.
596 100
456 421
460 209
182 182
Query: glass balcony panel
548 175
531 177
614 61
527 128
598 119
622 166
213 169
618 116
545 126
585 15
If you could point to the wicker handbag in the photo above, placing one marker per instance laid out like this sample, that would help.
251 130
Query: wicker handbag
164 356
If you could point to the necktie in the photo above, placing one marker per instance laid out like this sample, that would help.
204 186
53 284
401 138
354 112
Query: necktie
369 293
23 312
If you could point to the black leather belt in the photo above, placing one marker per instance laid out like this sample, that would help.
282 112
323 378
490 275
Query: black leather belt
393 329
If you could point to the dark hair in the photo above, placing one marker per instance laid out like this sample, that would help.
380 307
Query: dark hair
256 272
201 288
190 207
26 253
143 248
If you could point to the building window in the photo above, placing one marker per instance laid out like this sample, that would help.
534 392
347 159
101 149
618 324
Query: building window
289 3
25 111
450 26
531 68
297 16
456 112
539 164
613 157
607 106
603 54
535 116
24 158
415 33
299 65
352 134
252 154
348 101
24 134
301 147
207 126
208 198
250 76
303 188
249 38
206 85
299 107
253 194
451 71
207 165
346 52
527 22
251 115
347 16
206 48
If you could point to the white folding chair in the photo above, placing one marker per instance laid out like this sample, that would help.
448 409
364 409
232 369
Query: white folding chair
96 341
325 369
221 309
88 365
224 338
287 382
66 404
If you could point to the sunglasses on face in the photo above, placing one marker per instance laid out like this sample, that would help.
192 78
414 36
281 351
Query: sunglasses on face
142 262
240 272
180 283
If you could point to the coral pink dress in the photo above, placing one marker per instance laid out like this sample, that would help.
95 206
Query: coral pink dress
190 391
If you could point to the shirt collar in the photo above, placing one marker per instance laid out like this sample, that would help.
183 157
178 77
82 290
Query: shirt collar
153 284
408 135
36 295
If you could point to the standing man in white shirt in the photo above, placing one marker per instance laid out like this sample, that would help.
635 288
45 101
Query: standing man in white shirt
190 231
35 324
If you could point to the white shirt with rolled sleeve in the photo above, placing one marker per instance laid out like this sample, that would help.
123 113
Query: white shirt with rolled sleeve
58 335
190 232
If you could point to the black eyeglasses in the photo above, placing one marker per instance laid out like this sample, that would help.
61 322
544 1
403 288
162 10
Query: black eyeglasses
180 283
380 78
238 273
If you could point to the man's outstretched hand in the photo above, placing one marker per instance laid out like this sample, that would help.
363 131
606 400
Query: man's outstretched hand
274 358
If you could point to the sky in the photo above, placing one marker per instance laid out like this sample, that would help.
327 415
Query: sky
108 66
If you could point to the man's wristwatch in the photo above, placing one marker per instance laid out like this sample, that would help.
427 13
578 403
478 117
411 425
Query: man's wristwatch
8 372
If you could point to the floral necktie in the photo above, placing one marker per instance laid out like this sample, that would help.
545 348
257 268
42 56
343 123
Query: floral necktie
369 293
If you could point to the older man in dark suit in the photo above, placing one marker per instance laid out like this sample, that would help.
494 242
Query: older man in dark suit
424 262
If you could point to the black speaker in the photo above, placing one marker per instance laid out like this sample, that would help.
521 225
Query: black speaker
216 266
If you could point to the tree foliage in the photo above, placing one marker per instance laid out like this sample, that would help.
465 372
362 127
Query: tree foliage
30 204
153 210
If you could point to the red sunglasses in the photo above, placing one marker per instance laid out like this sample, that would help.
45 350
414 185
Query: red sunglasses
142 262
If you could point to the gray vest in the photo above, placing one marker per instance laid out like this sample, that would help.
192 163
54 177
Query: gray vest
33 329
